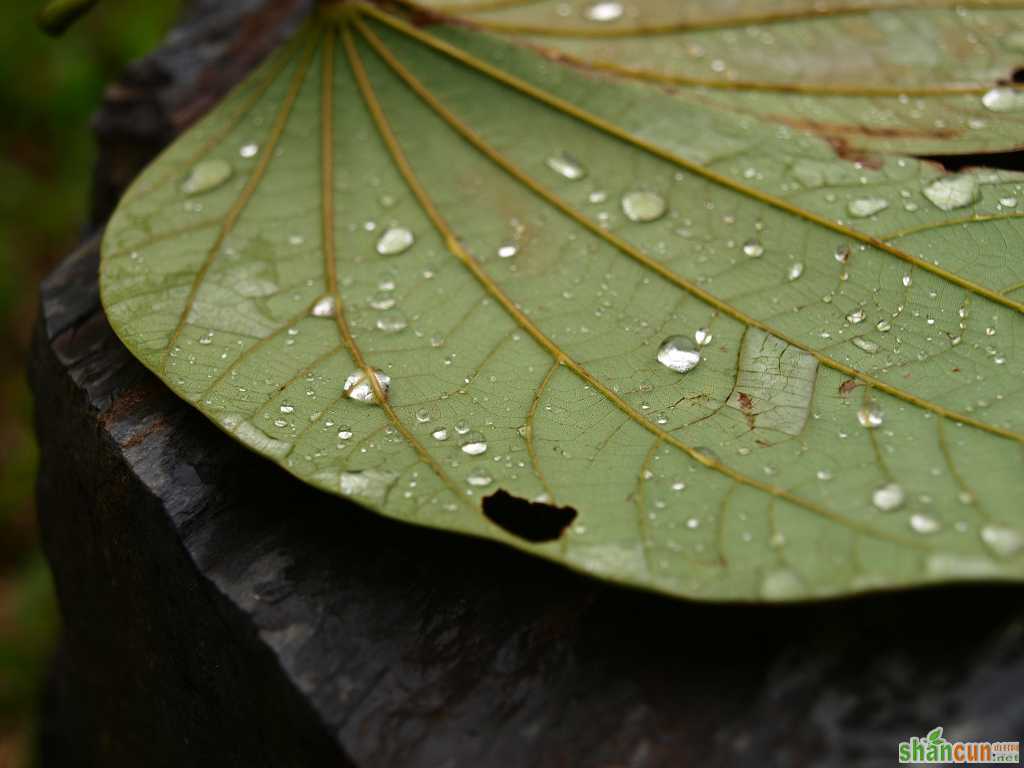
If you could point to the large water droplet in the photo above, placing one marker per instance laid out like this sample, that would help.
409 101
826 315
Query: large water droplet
207 176
394 241
607 10
1003 98
643 206
865 345
473 444
567 166
358 387
1003 540
370 484
679 353
889 497
870 416
951 192
863 207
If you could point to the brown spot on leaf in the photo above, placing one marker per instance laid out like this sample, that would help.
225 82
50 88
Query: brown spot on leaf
848 386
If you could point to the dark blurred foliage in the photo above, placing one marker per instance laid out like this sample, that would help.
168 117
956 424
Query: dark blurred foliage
48 91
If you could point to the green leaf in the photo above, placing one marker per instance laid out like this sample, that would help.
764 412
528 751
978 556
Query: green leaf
524 251
935 735
57 16
886 75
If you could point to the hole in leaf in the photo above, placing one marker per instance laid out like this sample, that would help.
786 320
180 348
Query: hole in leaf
1017 76
528 520
1007 161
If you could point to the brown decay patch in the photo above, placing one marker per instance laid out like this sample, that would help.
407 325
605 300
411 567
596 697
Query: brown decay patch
829 130
860 157
848 386
747 406
529 520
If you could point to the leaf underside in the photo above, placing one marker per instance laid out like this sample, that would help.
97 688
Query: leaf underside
432 269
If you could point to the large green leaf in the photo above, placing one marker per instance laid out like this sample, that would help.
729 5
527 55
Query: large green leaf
524 252
922 77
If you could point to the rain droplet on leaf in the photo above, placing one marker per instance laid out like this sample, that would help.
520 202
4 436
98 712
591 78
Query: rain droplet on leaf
394 241
207 176
474 444
796 269
1003 98
951 192
358 387
863 207
607 10
567 166
643 206
889 497
679 354
324 307
923 523
865 345
753 249
1003 540
870 416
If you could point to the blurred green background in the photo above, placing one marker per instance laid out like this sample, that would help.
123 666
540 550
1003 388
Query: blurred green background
47 96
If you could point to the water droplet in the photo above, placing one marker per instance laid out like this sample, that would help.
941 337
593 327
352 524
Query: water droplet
392 322
884 326
357 387
286 408
345 433
855 317
1008 202
951 192
394 241
693 523
474 444
207 176
679 354
923 523
867 206
796 269
865 345
888 497
823 474
369 484
422 415
753 249
382 300
702 336
507 251
249 151
782 584
1003 540
870 416
479 478
567 166
607 10
440 434
907 281
643 206
324 307
1003 98
842 253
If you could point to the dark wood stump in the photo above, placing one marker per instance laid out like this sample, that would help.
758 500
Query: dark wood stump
218 613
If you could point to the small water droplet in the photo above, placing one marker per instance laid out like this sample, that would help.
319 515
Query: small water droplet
782 584
357 386
702 336
1003 540
345 433
395 240
479 478
753 249
863 207
796 269
382 300
604 11
679 354
249 151
1008 202
856 317
507 251
951 192
1003 98
907 281
870 416
440 434
643 206
923 523
842 253
567 166
888 497
422 415
392 321
324 307
207 176
884 326
474 444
